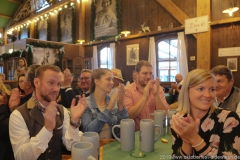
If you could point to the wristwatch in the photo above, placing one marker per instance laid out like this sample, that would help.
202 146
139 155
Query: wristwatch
77 125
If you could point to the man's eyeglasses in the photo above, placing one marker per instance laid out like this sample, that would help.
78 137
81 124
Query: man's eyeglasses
83 78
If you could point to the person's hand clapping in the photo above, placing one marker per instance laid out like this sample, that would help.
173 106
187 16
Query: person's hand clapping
185 127
14 100
147 88
68 78
174 86
50 116
120 100
156 85
78 109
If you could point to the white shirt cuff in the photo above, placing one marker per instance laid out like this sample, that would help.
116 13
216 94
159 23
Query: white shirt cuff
44 136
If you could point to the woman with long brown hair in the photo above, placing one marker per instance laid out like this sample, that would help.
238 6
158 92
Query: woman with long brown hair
102 112
21 69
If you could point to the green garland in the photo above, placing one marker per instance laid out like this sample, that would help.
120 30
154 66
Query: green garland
92 22
59 34
93 17
74 40
119 15
13 54
48 30
29 56
60 49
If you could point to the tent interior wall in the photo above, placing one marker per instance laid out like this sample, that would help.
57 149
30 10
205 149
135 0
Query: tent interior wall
224 31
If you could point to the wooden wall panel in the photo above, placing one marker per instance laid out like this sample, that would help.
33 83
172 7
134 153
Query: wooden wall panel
191 48
136 12
121 55
219 5
223 36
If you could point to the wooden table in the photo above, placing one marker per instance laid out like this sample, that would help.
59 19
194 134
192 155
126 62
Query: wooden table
110 150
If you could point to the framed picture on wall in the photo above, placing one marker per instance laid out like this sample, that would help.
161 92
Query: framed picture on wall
42 29
66 25
132 54
232 64
106 23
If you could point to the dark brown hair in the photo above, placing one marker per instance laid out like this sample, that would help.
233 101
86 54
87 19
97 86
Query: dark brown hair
142 63
30 75
222 70
97 74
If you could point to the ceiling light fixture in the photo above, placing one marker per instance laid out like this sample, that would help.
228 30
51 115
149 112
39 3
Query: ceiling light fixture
231 10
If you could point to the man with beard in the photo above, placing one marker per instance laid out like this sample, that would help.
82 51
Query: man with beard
227 96
39 127
144 95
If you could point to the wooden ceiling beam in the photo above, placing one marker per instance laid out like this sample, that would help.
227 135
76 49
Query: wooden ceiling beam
204 38
5 16
15 1
176 12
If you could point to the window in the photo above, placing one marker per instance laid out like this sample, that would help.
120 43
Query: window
41 5
105 58
1 67
167 59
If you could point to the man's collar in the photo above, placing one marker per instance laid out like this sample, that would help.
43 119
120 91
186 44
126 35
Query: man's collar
86 92
225 98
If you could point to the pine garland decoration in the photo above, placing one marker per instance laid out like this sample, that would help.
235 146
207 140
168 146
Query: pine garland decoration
13 54
119 15
73 25
93 17
59 27
29 57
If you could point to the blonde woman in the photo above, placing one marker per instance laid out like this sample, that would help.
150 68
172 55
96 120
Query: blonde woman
199 128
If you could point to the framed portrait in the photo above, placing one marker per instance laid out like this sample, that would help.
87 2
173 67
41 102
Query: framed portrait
66 25
43 56
132 56
105 22
42 29
232 64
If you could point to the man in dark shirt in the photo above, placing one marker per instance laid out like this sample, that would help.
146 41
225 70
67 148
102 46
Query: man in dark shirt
6 151
67 93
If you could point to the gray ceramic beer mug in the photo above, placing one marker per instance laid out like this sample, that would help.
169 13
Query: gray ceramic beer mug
127 134
147 137
159 119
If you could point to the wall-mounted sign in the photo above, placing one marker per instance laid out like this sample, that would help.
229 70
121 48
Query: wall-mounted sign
196 25
226 52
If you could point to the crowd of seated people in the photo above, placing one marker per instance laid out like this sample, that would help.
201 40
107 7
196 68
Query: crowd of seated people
35 121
